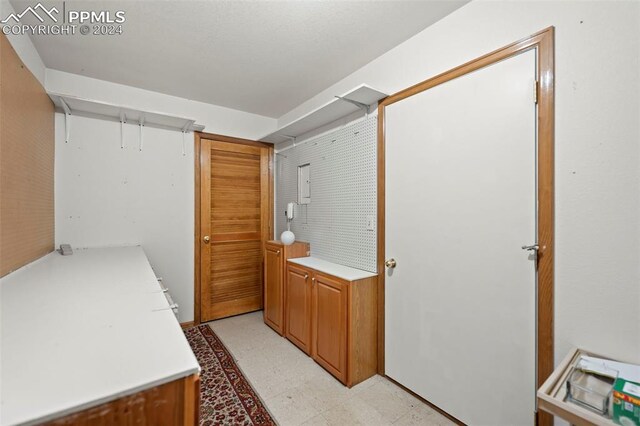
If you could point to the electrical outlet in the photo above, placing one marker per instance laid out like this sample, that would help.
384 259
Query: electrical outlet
371 223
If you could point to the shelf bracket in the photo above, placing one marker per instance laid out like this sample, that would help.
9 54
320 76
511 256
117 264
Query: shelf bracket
186 129
366 108
123 120
67 120
292 139
141 126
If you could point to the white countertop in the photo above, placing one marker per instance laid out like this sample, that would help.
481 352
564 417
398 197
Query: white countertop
340 271
85 329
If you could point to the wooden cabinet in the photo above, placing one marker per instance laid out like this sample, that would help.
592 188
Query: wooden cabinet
298 308
334 321
173 403
275 257
329 324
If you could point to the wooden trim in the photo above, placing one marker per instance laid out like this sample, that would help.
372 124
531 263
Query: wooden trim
231 139
187 324
266 213
532 42
198 159
381 236
271 232
205 212
196 231
546 211
543 43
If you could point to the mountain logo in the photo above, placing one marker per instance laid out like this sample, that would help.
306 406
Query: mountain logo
34 11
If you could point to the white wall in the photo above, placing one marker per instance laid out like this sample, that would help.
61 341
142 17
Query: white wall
111 196
108 196
23 46
216 119
597 146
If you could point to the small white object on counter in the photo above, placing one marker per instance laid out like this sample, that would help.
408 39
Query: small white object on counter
340 271
287 238
81 330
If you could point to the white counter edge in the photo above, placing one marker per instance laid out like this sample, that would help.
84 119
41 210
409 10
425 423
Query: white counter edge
341 271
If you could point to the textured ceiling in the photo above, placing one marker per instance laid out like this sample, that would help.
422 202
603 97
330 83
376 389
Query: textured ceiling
264 57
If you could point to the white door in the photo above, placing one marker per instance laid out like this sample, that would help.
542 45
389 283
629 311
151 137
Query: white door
460 203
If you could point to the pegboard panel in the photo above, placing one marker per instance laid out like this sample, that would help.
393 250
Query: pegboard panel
26 164
343 194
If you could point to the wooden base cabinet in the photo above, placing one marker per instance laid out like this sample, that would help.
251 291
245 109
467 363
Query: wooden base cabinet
172 404
275 258
329 324
334 321
298 308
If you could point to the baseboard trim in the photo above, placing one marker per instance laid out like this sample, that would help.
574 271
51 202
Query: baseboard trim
435 407
187 324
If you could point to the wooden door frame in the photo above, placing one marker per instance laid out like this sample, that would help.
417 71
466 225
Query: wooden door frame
543 43
198 136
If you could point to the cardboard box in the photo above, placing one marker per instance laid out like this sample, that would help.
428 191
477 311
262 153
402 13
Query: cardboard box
626 403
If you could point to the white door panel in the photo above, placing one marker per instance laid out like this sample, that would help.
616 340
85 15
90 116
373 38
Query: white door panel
460 203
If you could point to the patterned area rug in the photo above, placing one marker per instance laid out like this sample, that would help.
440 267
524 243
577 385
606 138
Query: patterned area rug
226 397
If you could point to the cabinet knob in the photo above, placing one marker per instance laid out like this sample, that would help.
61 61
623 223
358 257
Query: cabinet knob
313 280
206 239
278 253
306 276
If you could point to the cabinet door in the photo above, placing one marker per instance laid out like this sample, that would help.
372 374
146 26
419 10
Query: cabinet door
298 307
273 289
330 325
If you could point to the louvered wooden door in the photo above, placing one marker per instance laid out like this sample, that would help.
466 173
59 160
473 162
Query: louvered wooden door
235 217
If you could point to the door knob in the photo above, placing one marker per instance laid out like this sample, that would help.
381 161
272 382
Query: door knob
206 239
391 263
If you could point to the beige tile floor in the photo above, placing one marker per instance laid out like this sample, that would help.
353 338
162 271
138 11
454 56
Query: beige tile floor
297 391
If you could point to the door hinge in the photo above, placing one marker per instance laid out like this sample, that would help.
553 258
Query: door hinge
535 91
